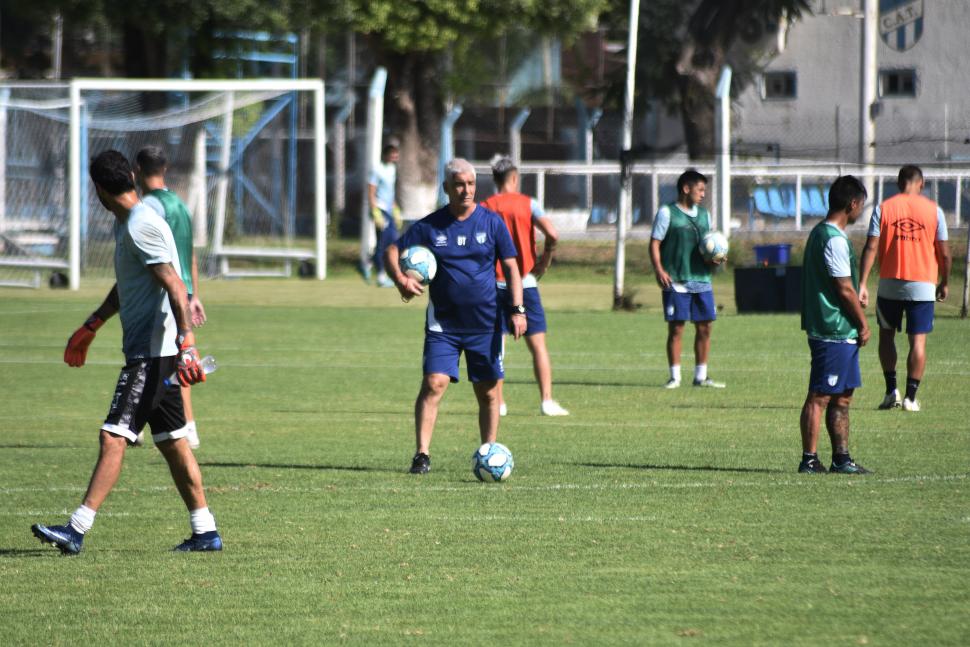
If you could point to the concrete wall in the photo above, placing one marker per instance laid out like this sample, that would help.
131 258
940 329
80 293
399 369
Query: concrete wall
822 122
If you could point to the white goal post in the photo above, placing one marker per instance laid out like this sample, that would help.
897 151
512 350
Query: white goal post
221 252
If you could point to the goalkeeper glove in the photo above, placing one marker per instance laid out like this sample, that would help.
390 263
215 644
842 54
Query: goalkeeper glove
189 366
396 214
77 346
378 217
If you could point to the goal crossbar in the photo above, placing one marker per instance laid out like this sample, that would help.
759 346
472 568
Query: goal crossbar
222 254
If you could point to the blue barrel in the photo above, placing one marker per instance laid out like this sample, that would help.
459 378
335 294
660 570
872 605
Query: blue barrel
772 254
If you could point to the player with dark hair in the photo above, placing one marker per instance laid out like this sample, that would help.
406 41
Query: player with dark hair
157 341
383 208
684 275
523 215
463 309
150 167
836 326
908 234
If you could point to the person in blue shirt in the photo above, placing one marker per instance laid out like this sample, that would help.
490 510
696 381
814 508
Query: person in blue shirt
464 312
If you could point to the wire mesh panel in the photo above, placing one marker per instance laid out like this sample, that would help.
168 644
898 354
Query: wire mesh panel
233 158
33 183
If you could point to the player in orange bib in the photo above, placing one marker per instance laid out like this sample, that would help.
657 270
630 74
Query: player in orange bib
908 234
523 215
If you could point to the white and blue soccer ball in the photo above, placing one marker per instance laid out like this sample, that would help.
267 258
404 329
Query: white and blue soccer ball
714 247
419 263
492 462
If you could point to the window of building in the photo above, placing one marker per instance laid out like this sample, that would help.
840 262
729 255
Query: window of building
897 83
780 85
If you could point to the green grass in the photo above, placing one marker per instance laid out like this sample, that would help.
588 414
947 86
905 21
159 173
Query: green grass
646 517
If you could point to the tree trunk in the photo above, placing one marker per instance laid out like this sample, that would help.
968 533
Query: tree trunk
698 69
697 103
413 112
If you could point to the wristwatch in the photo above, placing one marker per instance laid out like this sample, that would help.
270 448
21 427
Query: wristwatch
518 310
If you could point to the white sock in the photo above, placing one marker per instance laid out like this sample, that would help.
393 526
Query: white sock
675 372
700 372
201 521
83 519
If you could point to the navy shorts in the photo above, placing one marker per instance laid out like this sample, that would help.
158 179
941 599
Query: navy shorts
141 396
483 355
835 367
919 315
535 314
689 306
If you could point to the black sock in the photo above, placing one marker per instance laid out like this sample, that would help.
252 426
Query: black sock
806 456
911 386
841 459
890 380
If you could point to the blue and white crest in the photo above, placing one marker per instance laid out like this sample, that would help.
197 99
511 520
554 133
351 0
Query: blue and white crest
481 237
901 23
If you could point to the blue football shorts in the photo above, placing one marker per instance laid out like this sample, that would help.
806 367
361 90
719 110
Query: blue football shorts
835 367
535 314
919 315
689 306
483 355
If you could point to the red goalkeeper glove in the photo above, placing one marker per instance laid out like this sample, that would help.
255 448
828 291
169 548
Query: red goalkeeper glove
189 366
77 346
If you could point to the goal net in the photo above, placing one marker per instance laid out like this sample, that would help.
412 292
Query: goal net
247 163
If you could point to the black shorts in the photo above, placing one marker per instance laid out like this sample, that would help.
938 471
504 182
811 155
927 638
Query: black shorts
141 396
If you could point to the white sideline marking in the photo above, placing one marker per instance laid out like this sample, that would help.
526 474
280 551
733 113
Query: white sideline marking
788 368
409 490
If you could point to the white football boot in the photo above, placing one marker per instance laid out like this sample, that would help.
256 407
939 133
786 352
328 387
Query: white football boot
552 408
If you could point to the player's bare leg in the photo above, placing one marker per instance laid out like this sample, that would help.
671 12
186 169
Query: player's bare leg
541 367
487 395
837 422
675 333
702 341
426 409
811 420
185 471
106 470
887 349
916 361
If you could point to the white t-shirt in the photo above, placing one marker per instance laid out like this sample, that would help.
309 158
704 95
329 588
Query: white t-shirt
384 176
147 323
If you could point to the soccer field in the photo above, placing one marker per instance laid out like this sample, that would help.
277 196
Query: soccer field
646 517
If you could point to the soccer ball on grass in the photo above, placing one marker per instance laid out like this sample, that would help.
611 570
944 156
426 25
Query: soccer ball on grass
492 462
419 263
714 247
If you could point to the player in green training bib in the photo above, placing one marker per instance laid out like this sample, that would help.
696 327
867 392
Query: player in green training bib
150 167
684 276
835 323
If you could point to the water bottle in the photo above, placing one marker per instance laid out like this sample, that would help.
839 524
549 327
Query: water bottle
208 366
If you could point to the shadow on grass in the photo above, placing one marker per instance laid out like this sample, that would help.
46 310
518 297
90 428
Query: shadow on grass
26 446
687 468
298 466
27 552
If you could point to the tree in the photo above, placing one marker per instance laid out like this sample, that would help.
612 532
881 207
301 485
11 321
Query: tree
426 48
684 44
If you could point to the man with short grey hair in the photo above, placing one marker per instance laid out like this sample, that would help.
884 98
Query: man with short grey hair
464 314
